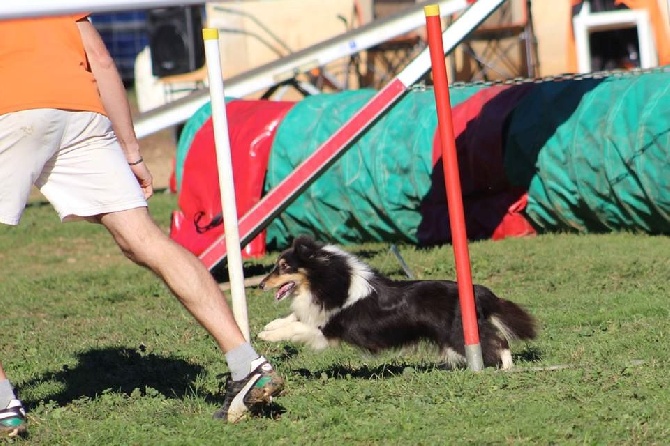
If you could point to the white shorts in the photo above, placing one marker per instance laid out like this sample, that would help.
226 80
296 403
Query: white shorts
74 159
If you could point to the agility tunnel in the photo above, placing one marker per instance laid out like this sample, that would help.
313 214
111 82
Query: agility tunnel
571 155
594 154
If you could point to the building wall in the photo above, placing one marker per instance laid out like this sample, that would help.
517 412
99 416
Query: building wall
552 25
551 20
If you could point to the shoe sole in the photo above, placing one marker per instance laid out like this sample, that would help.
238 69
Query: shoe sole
255 399
13 432
258 397
265 394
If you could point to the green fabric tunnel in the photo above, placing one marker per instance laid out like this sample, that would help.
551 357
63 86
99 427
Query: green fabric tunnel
594 154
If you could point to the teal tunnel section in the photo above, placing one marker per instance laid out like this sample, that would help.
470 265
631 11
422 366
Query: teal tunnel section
594 154
587 155
373 192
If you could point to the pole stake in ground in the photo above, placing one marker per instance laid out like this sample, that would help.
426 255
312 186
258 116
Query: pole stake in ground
452 182
226 184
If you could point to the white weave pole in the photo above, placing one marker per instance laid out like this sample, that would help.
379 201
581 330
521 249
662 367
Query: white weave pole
225 168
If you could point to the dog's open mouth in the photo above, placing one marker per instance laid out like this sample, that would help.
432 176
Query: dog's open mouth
285 290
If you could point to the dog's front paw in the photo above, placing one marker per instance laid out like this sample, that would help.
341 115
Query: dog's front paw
280 322
274 325
271 336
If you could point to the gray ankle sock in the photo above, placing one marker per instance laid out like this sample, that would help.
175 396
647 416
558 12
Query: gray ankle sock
6 393
239 360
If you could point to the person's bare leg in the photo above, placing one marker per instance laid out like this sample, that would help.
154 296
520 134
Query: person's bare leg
144 242
253 380
12 413
6 390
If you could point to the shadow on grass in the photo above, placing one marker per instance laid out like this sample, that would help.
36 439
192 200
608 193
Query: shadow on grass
528 354
122 370
339 371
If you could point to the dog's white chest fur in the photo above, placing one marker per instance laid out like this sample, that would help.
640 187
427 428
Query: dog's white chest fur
302 325
307 312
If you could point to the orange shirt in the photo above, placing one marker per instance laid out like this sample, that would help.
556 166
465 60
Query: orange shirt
43 65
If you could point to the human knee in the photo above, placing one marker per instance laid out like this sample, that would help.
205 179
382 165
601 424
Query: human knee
131 253
136 237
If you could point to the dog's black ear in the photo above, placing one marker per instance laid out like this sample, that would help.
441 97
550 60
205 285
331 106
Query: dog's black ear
305 246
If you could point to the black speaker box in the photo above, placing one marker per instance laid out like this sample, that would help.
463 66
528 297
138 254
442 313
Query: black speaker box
175 39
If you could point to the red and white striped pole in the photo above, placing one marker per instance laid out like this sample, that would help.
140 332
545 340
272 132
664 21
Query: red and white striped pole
452 182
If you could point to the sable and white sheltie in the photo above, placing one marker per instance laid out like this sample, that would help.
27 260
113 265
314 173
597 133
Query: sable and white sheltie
337 297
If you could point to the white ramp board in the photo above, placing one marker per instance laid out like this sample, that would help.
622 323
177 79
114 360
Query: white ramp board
286 68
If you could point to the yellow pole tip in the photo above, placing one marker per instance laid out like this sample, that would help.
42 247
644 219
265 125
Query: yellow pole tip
431 10
210 34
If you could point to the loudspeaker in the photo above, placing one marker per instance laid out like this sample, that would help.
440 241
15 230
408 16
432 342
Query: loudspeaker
175 40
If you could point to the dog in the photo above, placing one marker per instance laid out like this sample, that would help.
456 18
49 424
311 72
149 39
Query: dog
338 298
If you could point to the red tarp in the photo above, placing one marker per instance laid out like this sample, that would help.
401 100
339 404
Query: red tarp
251 126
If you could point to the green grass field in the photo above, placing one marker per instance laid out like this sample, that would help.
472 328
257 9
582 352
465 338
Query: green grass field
103 355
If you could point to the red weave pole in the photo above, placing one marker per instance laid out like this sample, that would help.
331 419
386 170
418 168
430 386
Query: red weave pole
452 183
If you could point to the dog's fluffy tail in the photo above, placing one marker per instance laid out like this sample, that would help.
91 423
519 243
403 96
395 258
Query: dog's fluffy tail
513 321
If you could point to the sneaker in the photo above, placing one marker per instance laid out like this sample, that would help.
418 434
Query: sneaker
250 393
13 419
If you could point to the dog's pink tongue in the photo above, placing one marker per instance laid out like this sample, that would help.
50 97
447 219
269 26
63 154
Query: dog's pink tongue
284 290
